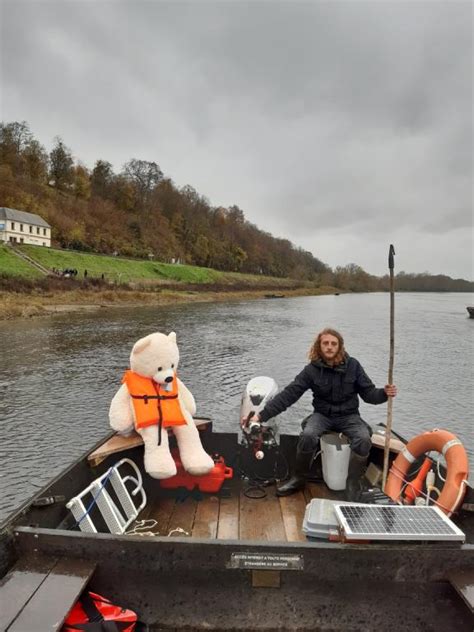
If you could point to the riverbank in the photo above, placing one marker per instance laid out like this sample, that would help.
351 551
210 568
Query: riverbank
32 304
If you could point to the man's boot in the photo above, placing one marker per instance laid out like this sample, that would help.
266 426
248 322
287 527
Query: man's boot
298 480
356 471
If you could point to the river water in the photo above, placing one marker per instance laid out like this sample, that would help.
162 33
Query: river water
59 373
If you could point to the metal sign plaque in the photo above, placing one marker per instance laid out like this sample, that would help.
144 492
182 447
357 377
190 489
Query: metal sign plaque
266 561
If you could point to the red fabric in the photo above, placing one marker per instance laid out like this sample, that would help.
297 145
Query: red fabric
108 610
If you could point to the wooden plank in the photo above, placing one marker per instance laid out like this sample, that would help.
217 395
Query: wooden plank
119 443
160 510
115 444
228 525
182 518
292 510
206 519
20 584
463 582
395 444
53 600
261 519
319 490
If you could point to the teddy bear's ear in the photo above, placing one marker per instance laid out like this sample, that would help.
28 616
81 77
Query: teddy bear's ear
140 345
172 336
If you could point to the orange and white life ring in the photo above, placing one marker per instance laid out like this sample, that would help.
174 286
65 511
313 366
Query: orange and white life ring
453 451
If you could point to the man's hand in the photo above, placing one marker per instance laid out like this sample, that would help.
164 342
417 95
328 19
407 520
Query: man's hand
390 390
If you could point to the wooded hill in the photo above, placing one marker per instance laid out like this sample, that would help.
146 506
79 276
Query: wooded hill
140 212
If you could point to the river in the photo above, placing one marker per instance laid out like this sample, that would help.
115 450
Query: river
58 373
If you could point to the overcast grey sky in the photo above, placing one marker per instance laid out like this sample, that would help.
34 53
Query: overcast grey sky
342 126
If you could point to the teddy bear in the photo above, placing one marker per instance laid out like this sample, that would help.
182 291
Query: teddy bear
152 399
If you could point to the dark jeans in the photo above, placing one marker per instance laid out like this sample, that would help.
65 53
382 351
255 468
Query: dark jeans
353 426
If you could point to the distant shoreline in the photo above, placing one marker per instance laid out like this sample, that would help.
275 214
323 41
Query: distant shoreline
14 305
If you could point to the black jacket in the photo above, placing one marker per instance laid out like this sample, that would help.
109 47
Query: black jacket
335 390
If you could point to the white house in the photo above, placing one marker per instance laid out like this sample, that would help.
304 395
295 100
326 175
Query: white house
20 227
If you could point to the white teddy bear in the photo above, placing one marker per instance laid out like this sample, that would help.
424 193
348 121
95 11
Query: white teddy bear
151 399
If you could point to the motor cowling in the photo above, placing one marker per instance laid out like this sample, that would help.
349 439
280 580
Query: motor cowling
258 392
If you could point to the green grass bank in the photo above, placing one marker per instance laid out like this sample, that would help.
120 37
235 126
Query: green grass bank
120 270
26 291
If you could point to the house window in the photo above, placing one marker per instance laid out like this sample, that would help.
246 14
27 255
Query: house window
21 227
37 230
44 231
44 244
21 240
13 225
31 229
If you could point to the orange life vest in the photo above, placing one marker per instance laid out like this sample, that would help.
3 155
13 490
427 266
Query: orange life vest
152 403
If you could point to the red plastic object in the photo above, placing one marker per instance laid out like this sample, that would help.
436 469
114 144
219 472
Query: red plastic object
210 483
95 609
414 487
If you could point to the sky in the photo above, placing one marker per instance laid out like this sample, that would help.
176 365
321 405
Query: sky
342 126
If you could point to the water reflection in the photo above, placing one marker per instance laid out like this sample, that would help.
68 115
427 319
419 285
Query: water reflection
58 374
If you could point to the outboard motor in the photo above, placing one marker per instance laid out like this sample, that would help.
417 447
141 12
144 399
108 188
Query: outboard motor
257 436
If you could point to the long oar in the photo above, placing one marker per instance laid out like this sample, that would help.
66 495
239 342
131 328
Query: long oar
388 431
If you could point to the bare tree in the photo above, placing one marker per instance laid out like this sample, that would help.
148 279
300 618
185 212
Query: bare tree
145 176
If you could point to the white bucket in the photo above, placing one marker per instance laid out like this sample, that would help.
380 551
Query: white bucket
335 455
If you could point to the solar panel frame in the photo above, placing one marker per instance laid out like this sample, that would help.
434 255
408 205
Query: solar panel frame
387 522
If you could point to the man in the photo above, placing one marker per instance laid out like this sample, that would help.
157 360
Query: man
337 381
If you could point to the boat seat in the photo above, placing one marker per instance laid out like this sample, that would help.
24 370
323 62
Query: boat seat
118 443
463 582
38 593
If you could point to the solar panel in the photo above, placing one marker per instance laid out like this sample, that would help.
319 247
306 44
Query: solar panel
388 522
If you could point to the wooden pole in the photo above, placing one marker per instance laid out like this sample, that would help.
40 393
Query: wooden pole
388 430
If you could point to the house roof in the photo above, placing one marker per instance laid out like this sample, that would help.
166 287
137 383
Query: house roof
22 216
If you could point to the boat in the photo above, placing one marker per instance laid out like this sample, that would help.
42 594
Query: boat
470 311
274 296
236 559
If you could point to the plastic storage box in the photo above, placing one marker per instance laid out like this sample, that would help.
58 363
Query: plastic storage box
320 520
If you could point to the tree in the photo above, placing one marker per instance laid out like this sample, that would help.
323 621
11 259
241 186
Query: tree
35 161
82 187
14 137
61 169
102 178
145 176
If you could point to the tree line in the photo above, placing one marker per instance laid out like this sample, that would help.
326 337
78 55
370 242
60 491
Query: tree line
141 212
138 212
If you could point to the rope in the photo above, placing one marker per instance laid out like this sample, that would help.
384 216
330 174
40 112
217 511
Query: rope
143 524
178 530
138 529
449 510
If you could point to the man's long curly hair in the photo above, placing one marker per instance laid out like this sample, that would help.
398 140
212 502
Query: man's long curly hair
315 352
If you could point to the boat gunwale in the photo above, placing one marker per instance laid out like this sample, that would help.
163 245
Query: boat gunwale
382 545
185 557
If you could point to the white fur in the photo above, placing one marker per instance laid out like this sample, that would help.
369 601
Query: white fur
157 356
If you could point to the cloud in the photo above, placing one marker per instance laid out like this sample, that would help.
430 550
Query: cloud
322 121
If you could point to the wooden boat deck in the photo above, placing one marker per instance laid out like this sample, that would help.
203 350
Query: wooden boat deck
232 515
